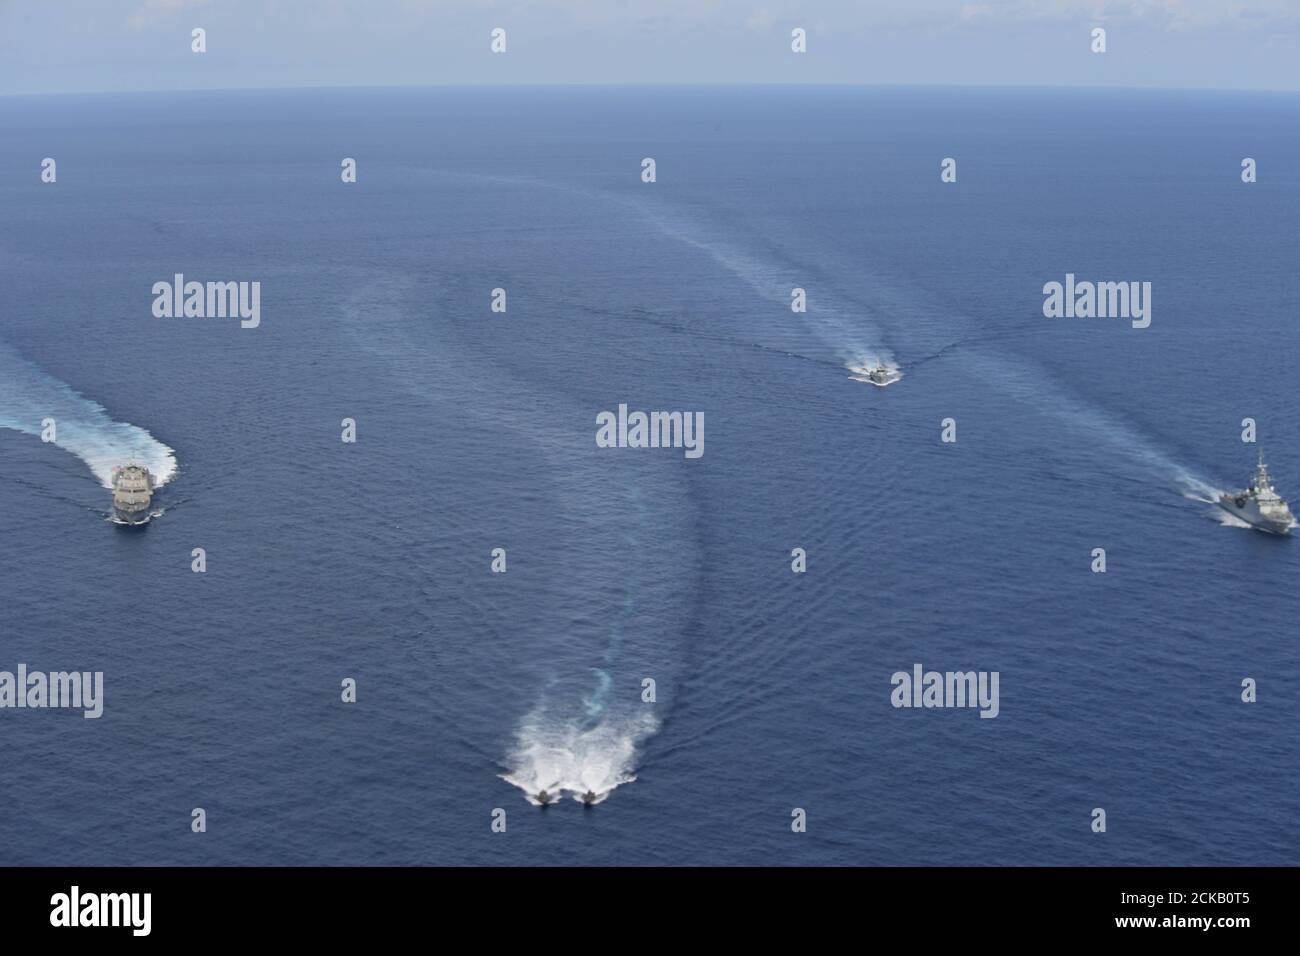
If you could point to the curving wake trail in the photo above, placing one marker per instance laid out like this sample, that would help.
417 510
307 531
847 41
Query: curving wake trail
854 342
846 335
605 620
1023 380
585 741
29 396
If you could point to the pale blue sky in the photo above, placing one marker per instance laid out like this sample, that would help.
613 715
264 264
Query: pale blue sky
93 45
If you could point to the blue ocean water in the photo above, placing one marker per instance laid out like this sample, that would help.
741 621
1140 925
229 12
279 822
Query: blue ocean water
476 431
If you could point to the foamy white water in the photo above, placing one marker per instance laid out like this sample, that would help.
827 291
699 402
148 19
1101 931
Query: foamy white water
83 427
565 756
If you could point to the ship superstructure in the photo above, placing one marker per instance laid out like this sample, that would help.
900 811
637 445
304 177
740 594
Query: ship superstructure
132 494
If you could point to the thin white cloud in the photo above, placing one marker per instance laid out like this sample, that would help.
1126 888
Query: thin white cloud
155 11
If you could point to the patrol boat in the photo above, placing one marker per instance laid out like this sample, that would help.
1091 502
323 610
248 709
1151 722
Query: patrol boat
879 375
1259 504
132 494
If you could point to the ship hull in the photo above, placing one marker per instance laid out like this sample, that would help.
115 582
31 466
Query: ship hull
131 518
871 381
1249 512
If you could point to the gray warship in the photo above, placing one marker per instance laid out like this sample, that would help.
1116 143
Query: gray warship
132 494
1259 505
879 374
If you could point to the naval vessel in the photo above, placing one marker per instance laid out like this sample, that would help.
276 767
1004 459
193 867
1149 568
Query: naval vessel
1258 504
880 375
132 494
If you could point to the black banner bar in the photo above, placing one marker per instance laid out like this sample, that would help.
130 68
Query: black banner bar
363 904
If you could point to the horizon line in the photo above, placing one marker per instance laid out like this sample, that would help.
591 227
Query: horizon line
1056 87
